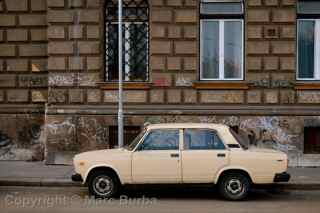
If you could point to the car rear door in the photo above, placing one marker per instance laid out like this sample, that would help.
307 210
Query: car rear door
157 158
203 155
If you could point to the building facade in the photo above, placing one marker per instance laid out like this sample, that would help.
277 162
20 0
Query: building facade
253 65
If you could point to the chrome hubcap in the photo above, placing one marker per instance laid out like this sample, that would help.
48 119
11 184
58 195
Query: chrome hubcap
103 185
234 186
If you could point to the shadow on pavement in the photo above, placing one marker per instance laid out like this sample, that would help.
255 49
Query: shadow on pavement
179 193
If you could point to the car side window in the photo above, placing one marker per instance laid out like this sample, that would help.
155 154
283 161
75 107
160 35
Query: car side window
164 139
202 139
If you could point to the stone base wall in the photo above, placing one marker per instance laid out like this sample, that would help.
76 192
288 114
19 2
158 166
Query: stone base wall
67 135
57 138
21 137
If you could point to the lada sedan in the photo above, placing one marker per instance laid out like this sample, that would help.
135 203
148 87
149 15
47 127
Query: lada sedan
188 153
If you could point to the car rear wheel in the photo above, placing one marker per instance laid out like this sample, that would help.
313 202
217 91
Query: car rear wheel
103 184
234 186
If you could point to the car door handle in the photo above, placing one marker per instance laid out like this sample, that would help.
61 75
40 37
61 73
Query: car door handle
174 155
221 155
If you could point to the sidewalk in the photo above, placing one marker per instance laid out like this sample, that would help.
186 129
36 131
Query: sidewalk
20 173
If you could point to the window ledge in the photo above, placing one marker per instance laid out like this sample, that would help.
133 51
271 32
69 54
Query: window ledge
221 85
126 85
307 86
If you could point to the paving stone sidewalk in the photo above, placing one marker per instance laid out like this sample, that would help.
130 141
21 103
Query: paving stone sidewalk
20 173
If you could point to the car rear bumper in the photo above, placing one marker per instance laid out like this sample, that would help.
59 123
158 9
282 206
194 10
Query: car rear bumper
282 177
76 178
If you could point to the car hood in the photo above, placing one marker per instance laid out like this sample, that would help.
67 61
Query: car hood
105 153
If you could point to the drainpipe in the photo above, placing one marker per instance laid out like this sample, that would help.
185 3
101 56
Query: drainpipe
120 95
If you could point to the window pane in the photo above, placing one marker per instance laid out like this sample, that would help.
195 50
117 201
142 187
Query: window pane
161 140
210 49
212 8
112 53
309 7
138 52
199 139
232 49
306 49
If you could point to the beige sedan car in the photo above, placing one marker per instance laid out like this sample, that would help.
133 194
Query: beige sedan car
186 153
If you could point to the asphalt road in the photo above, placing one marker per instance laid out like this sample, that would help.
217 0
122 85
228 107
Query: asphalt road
41 199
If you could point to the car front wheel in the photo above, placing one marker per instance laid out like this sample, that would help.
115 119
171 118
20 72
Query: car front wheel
103 185
234 186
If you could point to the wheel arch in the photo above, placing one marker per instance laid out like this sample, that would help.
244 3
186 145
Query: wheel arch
233 170
101 167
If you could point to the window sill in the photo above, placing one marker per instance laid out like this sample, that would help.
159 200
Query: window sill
307 86
221 85
126 85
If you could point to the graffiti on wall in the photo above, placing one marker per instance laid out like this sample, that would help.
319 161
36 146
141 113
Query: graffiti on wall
5 146
269 132
77 134
61 135
267 83
92 133
26 144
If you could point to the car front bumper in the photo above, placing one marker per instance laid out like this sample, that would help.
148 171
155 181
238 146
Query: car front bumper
76 178
282 177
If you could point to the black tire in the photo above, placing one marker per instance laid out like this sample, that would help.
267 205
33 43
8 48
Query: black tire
105 181
234 186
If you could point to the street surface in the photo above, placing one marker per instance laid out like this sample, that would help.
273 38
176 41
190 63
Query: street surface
74 199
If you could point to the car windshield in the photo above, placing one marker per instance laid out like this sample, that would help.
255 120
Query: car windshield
135 142
239 139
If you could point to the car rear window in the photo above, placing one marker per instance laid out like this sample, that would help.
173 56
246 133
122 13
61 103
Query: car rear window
239 139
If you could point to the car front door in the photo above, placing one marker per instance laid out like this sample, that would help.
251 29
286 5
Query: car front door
157 158
203 155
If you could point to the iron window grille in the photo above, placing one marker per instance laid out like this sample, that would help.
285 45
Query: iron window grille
130 133
311 140
135 40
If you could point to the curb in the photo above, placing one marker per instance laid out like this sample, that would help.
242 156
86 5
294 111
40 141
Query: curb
42 182
289 186
300 186
38 182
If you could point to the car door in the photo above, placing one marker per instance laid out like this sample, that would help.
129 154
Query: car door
202 156
157 158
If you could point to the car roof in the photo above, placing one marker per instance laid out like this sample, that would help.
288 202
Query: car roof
187 125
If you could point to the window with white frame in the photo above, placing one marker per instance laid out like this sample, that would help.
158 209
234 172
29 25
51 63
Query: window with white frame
308 42
135 40
221 40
